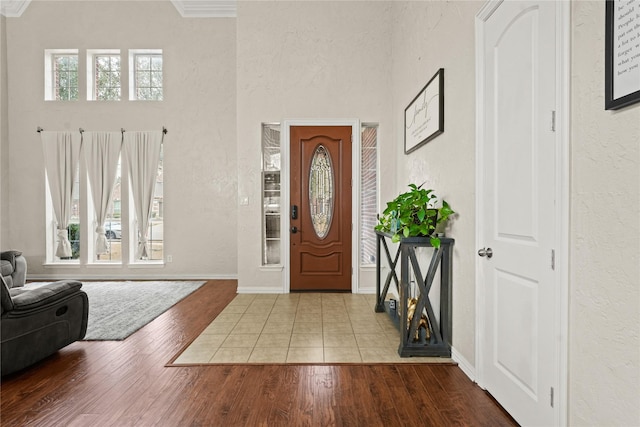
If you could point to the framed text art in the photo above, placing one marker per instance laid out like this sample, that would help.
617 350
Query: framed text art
622 53
424 116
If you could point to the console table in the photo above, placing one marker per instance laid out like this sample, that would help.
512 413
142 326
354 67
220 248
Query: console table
439 343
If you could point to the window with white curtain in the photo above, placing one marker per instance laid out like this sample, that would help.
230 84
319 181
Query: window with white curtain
155 230
120 225
103 155
73 230
61 152
113 224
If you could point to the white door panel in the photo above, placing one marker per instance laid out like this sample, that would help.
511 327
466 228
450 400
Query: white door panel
516 323
518 208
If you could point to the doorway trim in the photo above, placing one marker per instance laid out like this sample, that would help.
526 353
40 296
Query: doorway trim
285 194
563 196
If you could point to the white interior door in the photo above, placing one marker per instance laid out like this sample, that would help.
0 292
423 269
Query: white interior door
517 208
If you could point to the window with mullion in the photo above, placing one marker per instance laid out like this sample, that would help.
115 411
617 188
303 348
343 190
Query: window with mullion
148 76
107 77
65 77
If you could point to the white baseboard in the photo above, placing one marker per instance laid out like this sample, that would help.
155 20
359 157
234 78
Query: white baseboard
145 276
464 364
366 290
259 290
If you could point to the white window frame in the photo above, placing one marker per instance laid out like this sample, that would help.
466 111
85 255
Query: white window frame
377 186
91 73
275 169
133 93
49 81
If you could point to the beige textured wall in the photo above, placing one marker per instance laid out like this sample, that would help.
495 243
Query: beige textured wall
305 60
198 111
604 322
428 36
3 130
347 60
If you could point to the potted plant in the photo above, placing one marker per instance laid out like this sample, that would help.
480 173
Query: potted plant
414 214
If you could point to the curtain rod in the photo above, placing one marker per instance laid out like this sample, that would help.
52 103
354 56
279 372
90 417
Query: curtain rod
40 130
164 130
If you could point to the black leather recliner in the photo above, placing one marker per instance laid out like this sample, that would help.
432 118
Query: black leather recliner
35 323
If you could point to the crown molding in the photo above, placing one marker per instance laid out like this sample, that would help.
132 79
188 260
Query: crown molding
186 8
206 8
13 8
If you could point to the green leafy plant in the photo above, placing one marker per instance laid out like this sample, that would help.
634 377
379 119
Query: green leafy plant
413 214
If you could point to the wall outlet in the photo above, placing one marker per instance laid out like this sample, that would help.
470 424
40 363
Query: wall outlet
169 258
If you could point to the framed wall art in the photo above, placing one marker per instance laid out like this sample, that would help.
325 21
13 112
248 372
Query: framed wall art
424 116
622 53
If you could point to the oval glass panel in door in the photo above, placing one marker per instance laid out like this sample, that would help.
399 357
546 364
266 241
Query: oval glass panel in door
321 191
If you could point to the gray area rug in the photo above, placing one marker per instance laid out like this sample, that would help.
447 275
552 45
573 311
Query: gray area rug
118 309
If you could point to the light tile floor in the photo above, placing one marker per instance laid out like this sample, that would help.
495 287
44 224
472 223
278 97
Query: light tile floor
299 328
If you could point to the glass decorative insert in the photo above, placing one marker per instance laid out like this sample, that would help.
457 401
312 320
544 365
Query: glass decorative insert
321 191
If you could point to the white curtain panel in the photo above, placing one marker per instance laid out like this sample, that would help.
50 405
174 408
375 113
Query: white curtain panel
143 154
61 156
101 153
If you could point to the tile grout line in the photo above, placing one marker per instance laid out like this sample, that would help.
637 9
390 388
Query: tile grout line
356 309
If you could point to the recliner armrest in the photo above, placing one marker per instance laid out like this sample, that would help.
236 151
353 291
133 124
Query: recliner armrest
27 299
10 256
17 271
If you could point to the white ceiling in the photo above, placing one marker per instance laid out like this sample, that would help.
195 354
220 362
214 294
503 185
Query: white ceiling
186 8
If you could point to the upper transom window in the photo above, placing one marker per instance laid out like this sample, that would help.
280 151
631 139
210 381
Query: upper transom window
61 74
104 75
145 75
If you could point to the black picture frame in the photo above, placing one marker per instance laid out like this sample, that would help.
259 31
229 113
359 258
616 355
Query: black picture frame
621 90
424 116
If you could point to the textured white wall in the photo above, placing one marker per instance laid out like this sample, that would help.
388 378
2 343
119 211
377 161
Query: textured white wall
604 353
304 60
428 36
4 169
344 60
604 322
198 110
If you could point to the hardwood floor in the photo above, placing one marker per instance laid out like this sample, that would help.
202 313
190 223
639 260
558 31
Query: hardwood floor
109 383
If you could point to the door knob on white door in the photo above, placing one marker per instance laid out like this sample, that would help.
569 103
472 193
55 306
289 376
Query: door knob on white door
488 252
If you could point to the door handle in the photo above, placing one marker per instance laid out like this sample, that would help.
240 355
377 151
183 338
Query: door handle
488 252
294 229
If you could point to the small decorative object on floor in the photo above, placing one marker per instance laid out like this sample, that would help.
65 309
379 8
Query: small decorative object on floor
422 324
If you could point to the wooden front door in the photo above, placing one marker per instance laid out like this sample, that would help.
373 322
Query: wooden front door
320 208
